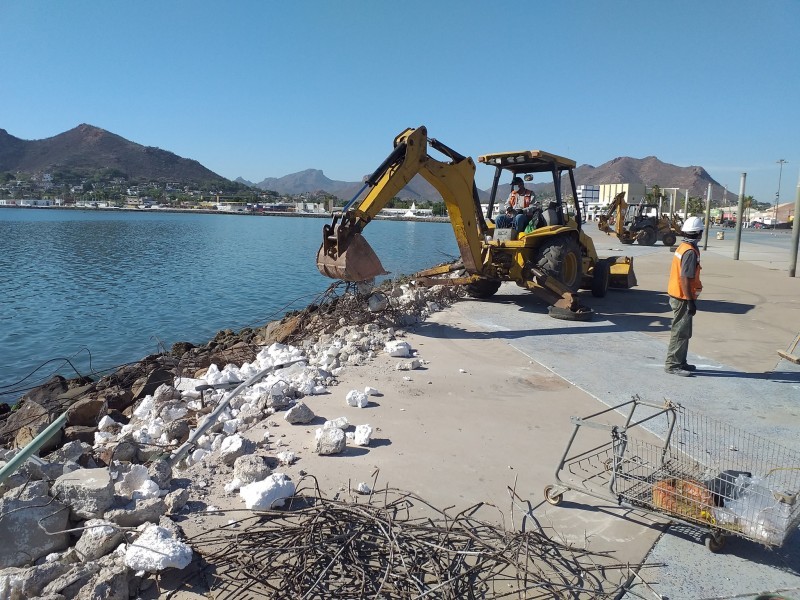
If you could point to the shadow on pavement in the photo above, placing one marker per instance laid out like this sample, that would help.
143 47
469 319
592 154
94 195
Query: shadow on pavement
774 376
645 311
785 558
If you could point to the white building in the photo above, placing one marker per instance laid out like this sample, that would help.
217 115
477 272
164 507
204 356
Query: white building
589 200
34 202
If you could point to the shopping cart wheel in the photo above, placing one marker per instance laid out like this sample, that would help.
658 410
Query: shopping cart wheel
554 499
715 542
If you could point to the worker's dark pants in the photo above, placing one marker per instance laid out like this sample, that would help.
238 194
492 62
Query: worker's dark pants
680 334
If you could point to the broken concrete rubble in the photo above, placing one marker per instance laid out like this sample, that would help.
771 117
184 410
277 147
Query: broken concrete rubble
299 414
329 440
155 550
87 492
269 493
137 512
357 399
98 539
31 529
233 447
162 407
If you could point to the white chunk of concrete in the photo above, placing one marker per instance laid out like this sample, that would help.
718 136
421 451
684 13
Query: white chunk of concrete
268 493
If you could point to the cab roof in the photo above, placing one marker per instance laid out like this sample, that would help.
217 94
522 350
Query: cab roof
527 161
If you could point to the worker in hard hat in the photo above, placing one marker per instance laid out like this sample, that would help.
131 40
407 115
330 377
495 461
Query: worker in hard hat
683 289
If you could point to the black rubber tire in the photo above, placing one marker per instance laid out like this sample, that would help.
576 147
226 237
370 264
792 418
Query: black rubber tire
554 499
669 239
601 276
647 236
483 288
567 315
561 258
627 241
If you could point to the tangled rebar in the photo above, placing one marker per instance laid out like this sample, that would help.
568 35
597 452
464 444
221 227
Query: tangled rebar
395 545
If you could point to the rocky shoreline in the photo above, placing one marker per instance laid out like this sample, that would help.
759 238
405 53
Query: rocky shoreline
94 514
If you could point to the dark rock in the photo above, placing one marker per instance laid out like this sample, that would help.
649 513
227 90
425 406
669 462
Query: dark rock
147 385
80 433
86 411
118 416
48 392
124 451
181 348
238 354
279 331
25 424
117 398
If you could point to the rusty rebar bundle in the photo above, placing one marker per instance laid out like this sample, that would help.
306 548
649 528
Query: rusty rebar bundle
319 548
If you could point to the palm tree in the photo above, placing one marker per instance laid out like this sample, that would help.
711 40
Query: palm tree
748 202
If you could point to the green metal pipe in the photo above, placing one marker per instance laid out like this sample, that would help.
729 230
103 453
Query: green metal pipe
32 447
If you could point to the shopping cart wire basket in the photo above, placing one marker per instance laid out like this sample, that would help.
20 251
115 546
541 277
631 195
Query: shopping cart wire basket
670 461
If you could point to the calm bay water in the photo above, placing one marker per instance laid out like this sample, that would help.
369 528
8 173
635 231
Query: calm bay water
116 284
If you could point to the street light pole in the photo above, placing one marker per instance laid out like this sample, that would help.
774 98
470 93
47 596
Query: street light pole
781 162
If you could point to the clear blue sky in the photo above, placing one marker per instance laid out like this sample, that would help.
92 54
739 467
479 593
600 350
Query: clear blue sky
256 88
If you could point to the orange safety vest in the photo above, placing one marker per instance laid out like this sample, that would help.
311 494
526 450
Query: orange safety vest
674 288
526 199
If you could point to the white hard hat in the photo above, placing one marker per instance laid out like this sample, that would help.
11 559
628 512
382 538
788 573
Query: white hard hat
692 225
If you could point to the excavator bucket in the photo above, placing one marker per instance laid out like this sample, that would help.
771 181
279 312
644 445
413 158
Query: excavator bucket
351 258
621 272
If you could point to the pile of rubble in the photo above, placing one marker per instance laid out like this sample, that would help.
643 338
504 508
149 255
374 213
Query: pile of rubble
93 517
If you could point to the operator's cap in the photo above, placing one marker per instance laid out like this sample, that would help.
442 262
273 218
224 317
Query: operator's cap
516 181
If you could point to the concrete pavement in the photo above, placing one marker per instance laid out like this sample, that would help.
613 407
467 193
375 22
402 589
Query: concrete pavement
749 308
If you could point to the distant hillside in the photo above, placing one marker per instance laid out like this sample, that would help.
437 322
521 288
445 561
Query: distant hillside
314 180
89 149
649 171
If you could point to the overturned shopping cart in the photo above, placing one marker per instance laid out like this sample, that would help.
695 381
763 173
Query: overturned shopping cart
667 460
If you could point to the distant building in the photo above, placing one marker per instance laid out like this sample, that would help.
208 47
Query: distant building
589 200
232 206
634 192
34 202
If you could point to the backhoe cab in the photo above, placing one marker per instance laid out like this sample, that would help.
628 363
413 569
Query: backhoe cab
554 260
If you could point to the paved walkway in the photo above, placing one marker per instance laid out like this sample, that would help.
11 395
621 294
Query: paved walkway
749 309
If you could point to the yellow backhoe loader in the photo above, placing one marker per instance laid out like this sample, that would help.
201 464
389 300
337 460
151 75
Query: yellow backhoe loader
554 260
642 223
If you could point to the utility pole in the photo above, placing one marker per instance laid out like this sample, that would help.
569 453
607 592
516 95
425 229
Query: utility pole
781 162
708 218
740 210
795 231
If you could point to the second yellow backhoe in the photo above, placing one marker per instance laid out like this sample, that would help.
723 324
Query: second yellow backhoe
643 223
554 260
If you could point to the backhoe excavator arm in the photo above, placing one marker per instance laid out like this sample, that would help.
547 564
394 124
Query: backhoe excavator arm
345 254
613 220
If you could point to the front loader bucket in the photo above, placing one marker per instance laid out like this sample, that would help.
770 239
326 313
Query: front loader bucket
621 272
351 259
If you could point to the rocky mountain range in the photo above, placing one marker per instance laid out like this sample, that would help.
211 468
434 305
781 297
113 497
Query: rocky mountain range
91 149
649 171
